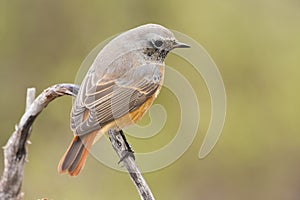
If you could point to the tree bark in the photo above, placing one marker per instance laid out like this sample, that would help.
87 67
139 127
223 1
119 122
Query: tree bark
15 150
126 156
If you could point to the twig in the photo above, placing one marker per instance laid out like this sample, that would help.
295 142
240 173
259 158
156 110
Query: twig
15 150
123 150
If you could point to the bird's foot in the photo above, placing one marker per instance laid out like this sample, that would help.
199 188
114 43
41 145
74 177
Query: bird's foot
128 152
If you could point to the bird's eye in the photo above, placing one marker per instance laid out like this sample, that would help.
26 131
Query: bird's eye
158 43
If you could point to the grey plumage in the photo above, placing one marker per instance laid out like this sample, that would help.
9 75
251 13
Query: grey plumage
125 78
127 67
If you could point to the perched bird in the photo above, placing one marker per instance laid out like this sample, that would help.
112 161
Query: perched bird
118 89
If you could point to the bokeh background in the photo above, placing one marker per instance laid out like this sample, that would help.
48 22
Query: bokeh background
256 45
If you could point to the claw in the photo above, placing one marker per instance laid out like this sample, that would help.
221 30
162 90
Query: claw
129 153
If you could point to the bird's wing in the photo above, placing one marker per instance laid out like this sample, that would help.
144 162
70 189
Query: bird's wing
111 99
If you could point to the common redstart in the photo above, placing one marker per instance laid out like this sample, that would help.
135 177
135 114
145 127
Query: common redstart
118 89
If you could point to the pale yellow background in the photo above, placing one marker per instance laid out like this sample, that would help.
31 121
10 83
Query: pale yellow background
256 45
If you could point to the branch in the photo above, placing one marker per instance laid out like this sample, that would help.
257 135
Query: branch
123 150
15 151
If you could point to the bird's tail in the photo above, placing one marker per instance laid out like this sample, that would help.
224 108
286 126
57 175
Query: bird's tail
74 158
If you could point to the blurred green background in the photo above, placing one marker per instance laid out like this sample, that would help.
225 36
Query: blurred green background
256 45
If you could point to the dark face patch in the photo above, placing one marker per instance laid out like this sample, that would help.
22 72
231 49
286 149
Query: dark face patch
156 54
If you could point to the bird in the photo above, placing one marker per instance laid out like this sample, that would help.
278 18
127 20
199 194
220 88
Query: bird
118 89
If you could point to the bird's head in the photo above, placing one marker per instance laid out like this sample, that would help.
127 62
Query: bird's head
157 41
153 41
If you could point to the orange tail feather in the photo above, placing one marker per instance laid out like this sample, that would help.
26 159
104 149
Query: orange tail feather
74 158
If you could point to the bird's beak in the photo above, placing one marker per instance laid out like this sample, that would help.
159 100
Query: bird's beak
180 45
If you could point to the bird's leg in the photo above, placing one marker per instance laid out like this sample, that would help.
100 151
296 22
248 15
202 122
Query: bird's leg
129 151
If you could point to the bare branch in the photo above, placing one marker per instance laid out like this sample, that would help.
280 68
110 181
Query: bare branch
30 97
123 150
15 149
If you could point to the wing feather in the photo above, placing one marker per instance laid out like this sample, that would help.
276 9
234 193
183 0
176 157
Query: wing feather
109 100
